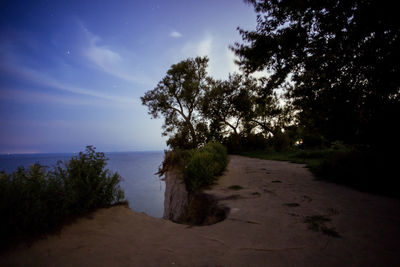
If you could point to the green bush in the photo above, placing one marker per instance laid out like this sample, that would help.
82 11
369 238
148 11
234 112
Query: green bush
200 170
199 166
204 164
177 158
219 155
33 201
87 183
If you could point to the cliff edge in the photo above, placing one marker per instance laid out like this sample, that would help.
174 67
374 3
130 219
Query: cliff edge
176 196
192 208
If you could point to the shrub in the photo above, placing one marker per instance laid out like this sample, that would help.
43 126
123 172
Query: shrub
87 183
199 166
314 141
234 143
256 142
33 201
363 169
204 164
177 158
219 155
280 141
237 144
200 170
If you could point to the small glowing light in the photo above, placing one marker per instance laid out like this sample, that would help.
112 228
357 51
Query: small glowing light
298 142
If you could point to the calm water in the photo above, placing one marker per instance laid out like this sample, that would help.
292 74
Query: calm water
143 189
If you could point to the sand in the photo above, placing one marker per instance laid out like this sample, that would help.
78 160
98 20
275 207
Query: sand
265 227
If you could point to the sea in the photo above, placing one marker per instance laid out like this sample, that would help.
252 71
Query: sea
143 189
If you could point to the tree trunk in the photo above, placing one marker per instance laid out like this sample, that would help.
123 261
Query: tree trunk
193 134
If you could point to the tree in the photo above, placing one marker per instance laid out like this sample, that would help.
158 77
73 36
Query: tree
177 98
228 103
336 59
235 106
267 113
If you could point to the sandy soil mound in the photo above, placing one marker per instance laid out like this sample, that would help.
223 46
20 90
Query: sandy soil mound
279 216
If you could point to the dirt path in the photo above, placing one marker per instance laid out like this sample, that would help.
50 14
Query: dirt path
266 227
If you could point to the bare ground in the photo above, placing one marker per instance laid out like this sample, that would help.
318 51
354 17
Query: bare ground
280 217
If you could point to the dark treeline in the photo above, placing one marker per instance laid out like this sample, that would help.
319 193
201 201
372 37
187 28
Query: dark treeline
336 60
331 80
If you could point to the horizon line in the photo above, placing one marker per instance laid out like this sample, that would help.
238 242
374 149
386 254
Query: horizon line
36 153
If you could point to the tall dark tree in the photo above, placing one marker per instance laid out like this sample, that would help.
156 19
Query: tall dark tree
177 98
337 59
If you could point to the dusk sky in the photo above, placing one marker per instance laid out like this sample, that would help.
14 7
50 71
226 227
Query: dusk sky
72 72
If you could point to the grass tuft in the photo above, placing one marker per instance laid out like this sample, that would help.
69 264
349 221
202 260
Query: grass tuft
317 223
235 187
292 205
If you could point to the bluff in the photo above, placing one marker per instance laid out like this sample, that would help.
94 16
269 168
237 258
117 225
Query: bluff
193 208
176 195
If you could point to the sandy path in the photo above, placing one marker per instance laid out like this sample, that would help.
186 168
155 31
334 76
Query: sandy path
261 229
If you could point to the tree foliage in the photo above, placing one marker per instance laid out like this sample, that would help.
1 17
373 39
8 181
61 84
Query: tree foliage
198 109
229 103
177 99
268 114
338 61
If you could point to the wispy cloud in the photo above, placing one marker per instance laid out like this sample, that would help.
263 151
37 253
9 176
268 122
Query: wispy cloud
102 56
111 61
175 34
221 57
40 97
201 47
12 64
45 80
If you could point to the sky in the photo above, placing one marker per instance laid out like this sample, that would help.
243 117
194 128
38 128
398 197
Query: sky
72 72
